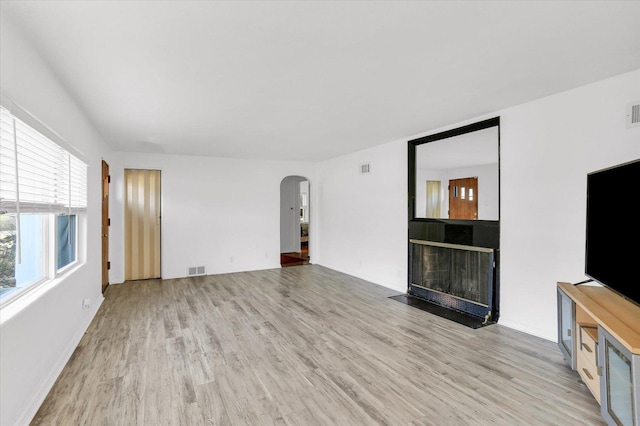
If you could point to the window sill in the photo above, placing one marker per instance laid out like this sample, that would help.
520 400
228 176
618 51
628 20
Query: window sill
15 303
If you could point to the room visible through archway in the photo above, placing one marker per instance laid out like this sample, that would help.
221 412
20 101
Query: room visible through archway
294 221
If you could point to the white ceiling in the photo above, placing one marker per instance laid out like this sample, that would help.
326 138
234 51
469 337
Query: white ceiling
307 80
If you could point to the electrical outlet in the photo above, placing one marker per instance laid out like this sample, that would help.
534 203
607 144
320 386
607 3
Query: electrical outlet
86 303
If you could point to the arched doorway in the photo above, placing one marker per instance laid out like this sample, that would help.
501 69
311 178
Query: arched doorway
294 221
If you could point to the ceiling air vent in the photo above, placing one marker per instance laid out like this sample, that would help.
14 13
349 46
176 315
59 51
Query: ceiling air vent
633 114
365 168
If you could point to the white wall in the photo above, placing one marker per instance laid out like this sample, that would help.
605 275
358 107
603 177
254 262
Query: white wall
363 217
38 333
547 148
220 213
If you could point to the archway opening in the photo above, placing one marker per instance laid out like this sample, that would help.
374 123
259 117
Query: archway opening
294 221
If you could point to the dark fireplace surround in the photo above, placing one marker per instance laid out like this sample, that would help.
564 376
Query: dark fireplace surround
454 265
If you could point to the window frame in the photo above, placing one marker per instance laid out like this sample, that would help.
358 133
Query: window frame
61 270
73 178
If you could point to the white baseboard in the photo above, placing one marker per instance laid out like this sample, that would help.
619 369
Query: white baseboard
527 329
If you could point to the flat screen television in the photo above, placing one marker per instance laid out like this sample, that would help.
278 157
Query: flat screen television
613 229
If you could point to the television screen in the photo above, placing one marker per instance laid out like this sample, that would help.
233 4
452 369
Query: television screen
613 229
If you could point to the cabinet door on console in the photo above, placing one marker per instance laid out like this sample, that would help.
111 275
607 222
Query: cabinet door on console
620 381
566 327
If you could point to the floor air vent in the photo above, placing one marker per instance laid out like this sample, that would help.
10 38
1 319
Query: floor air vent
196 270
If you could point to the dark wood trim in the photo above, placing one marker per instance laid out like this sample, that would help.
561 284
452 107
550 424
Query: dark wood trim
105 223
491 122
412 144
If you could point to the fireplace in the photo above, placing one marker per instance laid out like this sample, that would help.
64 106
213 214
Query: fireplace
454 223
453 276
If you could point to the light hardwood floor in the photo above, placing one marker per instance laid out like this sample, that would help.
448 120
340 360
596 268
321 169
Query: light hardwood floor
303 345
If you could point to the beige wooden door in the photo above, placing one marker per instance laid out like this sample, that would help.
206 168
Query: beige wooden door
142 224
433 199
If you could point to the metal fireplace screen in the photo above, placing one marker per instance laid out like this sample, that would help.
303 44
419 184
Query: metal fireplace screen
454 276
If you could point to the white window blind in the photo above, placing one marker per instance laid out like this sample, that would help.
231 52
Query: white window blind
78 181
36 174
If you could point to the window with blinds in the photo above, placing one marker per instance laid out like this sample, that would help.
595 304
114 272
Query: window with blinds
43 193
36 174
